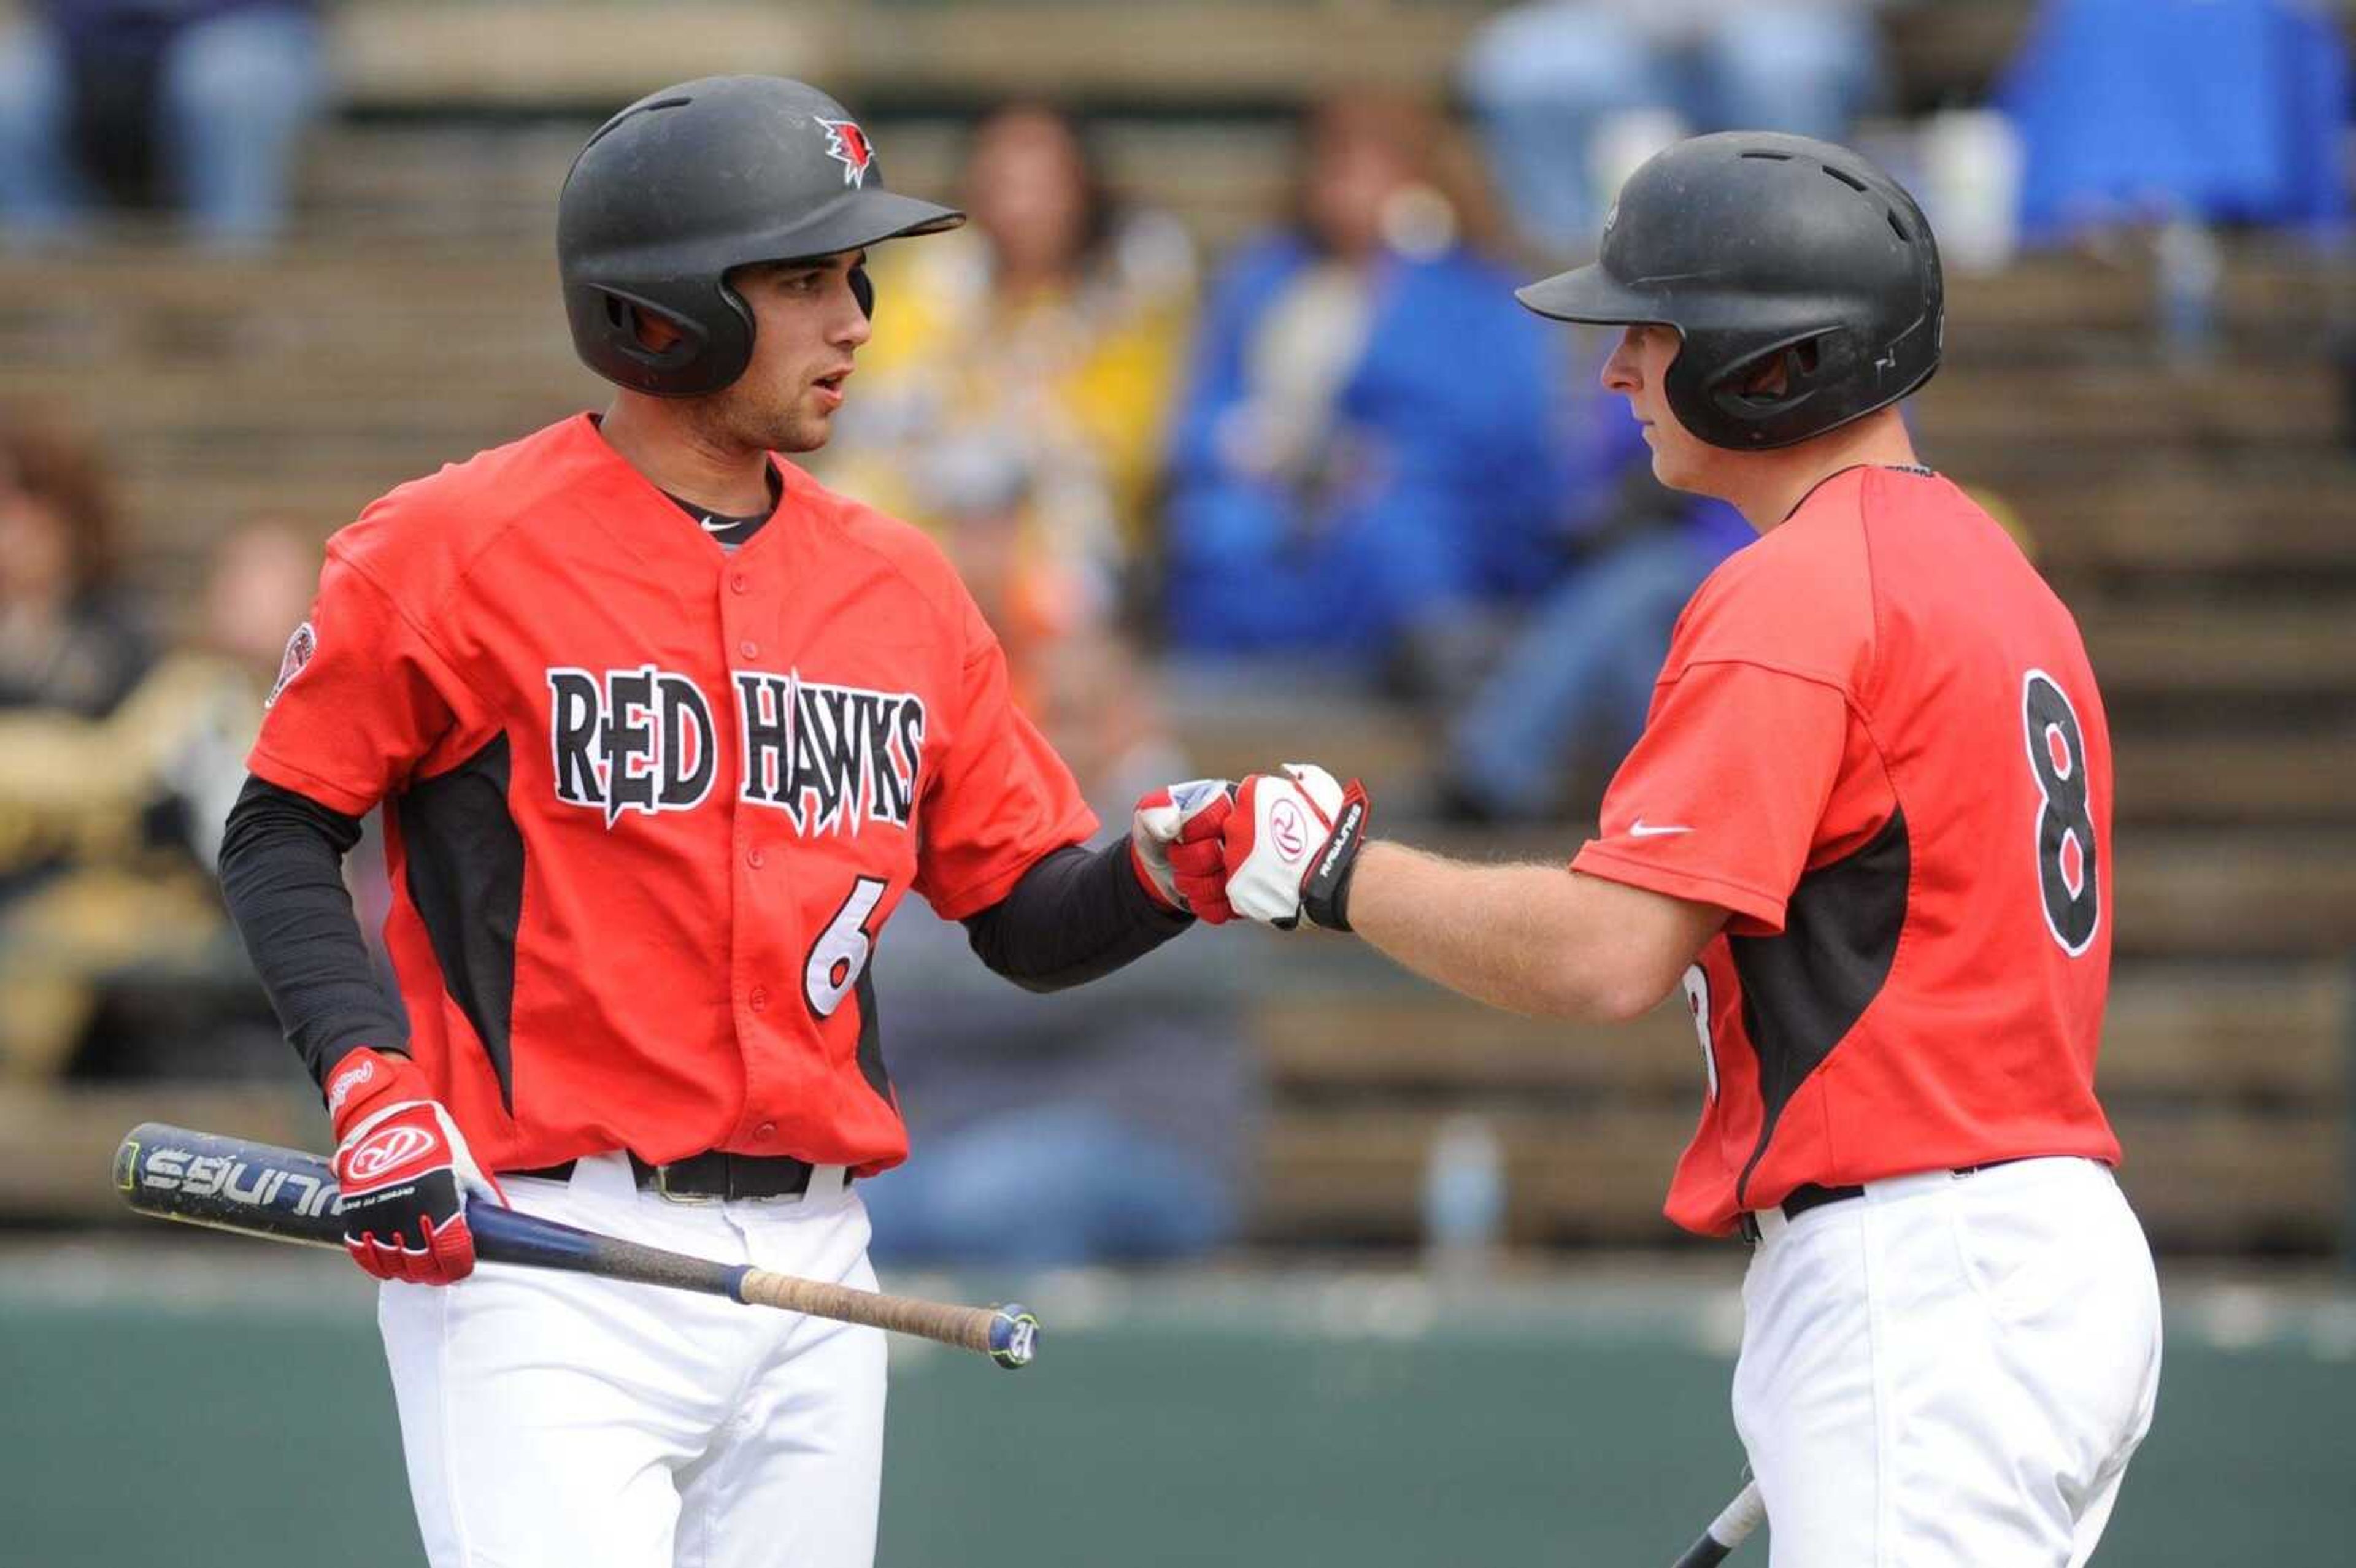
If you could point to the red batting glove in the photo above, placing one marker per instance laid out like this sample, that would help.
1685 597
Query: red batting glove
1173 847
403 1171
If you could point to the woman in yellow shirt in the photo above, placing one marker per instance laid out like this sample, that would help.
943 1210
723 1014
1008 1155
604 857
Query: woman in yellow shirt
1014 397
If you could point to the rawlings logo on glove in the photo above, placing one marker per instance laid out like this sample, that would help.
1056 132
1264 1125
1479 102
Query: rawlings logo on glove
1287 846
378 1156
405 1172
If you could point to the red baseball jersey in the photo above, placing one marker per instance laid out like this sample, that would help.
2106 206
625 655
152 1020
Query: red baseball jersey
647 804
1878 744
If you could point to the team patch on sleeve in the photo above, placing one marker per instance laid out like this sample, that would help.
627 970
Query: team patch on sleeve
299 649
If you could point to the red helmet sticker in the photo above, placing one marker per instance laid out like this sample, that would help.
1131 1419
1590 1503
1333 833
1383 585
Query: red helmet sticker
847 144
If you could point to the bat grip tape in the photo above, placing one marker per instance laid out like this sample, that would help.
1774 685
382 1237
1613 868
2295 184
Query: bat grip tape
967 1327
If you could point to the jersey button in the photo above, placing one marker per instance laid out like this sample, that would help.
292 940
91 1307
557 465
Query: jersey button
740 583
749 648
759 1000
765 1132
754 858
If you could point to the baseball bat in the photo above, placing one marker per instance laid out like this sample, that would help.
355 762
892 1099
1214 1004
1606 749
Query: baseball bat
1729 1529
289 1195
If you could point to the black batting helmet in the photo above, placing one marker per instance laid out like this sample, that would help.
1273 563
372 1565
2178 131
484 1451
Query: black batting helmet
687 183
1756 246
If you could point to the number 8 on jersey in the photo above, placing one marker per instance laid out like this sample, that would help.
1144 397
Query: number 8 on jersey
2067 856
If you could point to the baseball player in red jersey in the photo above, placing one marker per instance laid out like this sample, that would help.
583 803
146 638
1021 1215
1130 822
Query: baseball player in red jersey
1868 828
663 731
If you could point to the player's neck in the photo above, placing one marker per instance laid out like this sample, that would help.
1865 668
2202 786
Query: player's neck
1771 484
682 460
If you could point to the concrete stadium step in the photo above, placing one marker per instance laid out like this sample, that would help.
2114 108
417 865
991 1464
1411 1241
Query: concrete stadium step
2203 515
62 1139
2202 1178
2277 406
2062 305
2251 776
1250 716
2193 646
535 54
2237 892
416 182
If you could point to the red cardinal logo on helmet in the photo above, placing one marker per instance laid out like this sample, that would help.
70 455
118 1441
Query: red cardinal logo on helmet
846 143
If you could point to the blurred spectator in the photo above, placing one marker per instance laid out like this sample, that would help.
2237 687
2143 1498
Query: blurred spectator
1365 450
112 815
1113 1122
1559 84
1014 395
198 104
2144 112
68 638
1542 731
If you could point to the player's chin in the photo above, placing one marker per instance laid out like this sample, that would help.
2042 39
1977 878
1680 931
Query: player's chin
803 429
1675 469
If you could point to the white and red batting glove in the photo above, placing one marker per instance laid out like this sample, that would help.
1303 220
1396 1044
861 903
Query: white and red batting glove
405 1172
1173 846
1291 845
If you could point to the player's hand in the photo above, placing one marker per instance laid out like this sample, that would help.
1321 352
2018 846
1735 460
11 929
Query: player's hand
1173 846
1291 844
404 1171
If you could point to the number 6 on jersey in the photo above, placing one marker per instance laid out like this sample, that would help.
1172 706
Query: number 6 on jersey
839 954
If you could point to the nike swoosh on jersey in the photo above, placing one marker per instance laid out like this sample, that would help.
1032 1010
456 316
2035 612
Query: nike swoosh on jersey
1640 828
717 524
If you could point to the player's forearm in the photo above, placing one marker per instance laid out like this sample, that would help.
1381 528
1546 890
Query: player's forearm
1529 938
1076 916
281 876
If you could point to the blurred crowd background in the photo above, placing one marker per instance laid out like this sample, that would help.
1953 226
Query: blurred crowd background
1223 406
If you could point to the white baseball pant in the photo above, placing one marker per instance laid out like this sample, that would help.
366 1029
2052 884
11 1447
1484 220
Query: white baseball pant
1953 1370
552 1419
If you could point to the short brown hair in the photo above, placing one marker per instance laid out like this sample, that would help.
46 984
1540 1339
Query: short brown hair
62 469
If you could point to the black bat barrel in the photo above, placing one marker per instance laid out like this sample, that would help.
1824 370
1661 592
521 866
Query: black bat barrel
289 1195
205 1179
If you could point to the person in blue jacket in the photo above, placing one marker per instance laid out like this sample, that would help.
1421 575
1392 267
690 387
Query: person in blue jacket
1365 447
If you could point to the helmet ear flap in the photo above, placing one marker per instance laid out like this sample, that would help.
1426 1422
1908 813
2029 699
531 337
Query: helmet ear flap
862 289
1783 377
1747 397
658 338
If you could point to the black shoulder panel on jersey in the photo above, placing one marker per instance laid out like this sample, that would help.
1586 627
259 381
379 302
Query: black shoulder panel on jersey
1804 991
464 857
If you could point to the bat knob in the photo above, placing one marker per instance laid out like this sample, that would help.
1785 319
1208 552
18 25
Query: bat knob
1013 1337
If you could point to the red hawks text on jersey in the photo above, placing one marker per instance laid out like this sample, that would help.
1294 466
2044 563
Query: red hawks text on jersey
648 803
1878 744
831 757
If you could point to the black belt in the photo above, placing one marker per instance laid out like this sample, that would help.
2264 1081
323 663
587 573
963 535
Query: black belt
1809 1195
713 1177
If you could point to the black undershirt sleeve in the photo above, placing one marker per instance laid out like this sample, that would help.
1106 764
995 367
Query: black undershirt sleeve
1076 915
282 873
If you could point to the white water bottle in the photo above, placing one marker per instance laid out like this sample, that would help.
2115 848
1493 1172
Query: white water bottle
1464 1194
